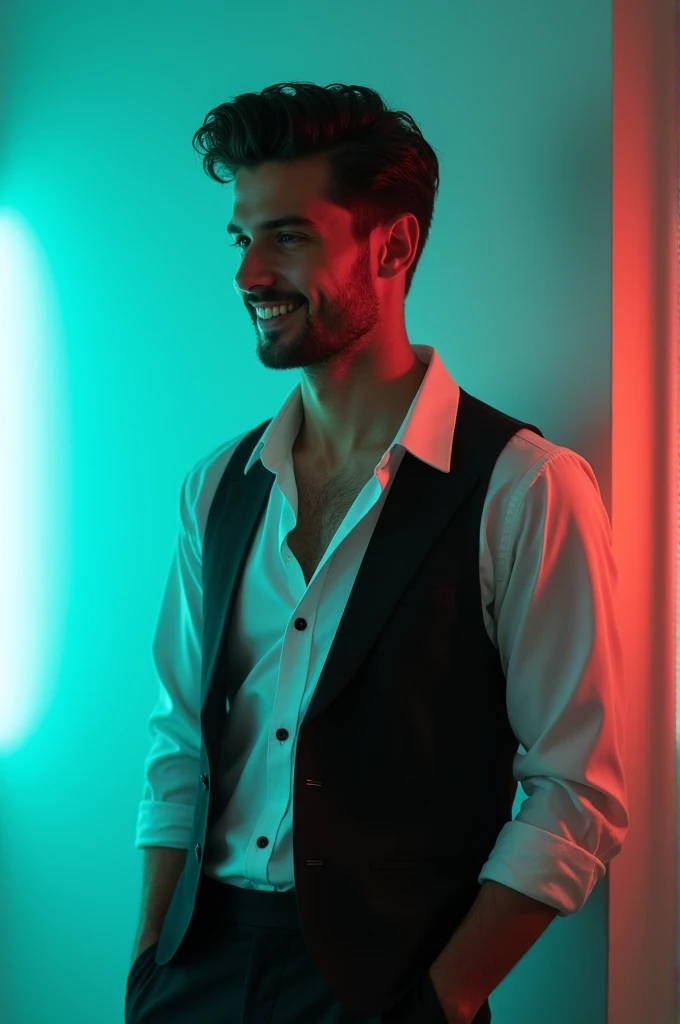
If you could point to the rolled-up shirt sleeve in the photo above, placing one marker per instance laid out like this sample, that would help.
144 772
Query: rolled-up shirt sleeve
166 809
561 651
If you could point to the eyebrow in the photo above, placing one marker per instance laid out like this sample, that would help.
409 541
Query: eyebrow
280 222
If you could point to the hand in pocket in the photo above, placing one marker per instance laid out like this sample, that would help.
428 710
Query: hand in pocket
141 947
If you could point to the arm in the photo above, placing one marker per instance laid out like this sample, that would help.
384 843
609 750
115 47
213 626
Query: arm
501 925
162 868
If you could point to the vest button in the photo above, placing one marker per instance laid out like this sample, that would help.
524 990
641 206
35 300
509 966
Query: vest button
282 734
262 842
301 624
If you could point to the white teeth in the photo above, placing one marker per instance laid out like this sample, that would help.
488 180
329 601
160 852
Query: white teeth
270 311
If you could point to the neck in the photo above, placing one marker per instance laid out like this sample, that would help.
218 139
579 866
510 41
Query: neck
390 401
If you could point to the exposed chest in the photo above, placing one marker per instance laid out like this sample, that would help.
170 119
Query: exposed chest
324 499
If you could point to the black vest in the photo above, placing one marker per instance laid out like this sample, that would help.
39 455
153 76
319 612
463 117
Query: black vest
403 770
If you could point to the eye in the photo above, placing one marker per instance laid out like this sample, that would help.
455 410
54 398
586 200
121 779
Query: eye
242 238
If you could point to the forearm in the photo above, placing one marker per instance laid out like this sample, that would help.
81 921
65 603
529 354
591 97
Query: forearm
500 927
162 868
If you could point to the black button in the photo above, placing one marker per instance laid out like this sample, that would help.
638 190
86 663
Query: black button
262 842
301 624
282 734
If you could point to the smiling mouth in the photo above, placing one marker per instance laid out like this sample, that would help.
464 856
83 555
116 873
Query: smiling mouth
280 320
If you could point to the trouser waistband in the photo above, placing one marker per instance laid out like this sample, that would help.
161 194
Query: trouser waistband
248 906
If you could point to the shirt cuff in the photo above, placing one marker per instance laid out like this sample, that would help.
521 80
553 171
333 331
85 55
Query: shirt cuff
160 823
543 866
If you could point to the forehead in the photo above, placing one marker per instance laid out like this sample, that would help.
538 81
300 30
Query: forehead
290 193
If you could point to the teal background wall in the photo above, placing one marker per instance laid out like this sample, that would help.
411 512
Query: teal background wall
126 356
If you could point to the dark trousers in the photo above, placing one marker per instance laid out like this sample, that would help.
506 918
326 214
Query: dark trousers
244 961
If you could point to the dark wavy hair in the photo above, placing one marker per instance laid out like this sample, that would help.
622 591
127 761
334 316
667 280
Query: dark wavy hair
380 164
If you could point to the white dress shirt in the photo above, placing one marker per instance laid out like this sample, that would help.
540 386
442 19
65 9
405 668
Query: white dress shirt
548 582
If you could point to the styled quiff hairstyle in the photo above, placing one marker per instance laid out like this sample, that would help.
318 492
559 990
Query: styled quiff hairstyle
380 164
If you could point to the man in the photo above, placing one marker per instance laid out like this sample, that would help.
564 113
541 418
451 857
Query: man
373 645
